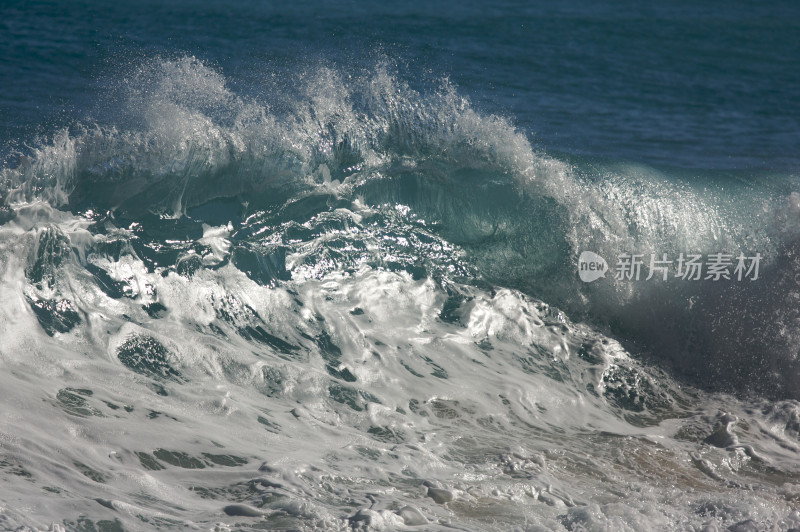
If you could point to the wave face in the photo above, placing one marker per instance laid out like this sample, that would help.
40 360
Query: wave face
336 307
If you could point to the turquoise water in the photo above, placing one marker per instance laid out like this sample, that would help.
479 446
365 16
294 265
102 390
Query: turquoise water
316 267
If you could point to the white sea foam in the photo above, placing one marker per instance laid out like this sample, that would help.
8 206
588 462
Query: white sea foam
178 435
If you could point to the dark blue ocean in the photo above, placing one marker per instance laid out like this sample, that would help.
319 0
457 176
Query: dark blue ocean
421 266
712 85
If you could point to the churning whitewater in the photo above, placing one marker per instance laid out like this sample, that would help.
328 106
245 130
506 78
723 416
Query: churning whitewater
350 304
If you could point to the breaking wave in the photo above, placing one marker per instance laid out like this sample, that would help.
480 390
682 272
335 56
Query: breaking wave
210 282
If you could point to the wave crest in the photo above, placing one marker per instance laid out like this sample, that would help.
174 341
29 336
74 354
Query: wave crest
181 136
